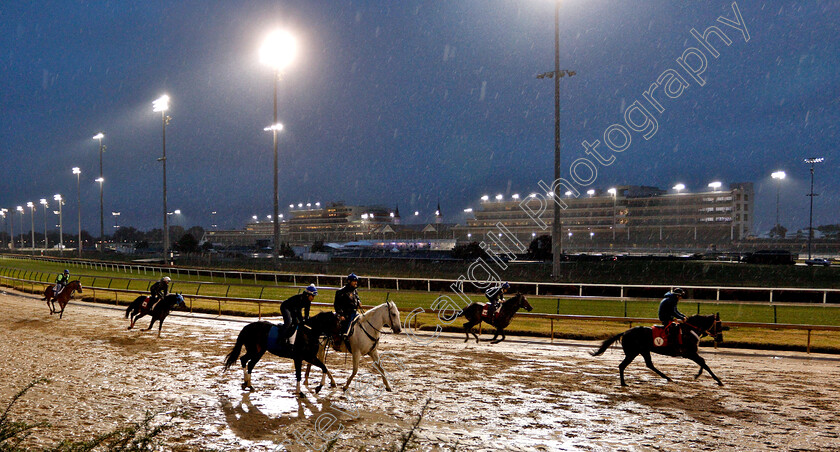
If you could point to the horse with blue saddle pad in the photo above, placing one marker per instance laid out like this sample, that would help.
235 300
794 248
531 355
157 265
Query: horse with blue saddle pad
260 337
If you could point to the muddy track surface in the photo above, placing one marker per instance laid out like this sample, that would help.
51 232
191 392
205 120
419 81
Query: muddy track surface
510 396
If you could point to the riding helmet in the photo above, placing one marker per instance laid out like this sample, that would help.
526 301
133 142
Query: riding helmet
506 286
352 277
66 272
311 290
678 291
166 279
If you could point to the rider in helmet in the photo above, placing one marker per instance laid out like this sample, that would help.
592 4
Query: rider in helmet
60 282
159 290
347 302
296 309
496 296
668 311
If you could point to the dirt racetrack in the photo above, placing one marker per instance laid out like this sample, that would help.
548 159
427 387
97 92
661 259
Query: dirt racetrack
518 395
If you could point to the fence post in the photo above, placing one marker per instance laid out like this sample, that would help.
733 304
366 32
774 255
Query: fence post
808 348
552 330
775 318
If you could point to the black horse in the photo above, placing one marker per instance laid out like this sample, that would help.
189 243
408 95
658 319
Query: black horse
639 341
500 321
254 337
139 307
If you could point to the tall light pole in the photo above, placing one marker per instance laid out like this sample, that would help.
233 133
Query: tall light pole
20 211
31 206
213 220
12 227
116 216
614 194
99 136
162 105
812 161
43 202
5 222
556 74
278 51
60 202
78 174
778 175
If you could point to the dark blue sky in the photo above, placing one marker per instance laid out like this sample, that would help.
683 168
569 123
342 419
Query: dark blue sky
404 102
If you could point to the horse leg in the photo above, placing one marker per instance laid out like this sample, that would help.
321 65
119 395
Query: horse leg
251 359
498 332
298 365
627 360
62 304
135 318
356 357
324 372
468 329
375 356
702 363
649 364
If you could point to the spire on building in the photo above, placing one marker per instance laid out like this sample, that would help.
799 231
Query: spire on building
438 214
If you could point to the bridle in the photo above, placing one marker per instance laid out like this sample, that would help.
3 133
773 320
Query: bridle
712 330
379 331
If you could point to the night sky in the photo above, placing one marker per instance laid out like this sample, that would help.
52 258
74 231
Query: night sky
404 102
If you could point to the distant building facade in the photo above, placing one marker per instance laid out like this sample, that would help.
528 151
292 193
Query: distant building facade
635 217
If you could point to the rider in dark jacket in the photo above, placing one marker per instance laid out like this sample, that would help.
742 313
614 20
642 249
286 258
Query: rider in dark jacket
296 309
668 311
668 306
347 302
496 296
159 290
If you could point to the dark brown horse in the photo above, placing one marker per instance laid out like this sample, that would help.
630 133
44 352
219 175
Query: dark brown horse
500 321
639 341
139 307
63 296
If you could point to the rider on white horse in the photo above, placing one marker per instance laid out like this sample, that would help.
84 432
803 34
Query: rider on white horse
347 302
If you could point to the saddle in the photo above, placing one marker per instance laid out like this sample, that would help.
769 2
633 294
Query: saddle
276 341
664 336
489 316
338 338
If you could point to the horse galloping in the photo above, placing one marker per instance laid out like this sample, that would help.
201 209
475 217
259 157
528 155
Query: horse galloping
501 320
139 308
254 336
63 296
639 341
364 339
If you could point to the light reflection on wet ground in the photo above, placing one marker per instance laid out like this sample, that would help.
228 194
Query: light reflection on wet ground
510 396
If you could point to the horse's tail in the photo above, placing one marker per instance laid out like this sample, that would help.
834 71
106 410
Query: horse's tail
234 354
606 344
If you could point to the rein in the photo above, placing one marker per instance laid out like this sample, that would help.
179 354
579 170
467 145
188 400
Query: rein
376 340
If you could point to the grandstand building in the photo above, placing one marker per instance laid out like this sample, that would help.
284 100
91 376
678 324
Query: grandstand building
626 219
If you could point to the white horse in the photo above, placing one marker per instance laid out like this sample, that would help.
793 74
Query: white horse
365 338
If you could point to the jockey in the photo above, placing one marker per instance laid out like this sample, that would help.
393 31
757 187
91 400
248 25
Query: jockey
347 302
60 282
496 296
159 290
296 309
668 311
